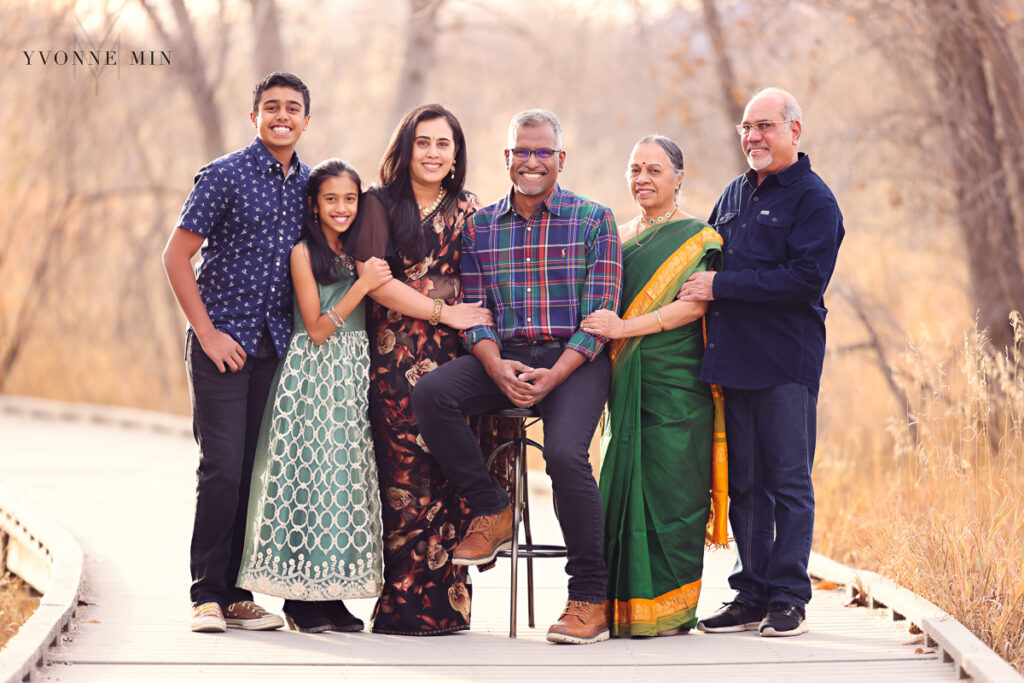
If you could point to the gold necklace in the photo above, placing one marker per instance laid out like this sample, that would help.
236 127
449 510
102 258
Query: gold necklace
427 210
660 220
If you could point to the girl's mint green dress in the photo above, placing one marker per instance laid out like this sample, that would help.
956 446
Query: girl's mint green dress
314 527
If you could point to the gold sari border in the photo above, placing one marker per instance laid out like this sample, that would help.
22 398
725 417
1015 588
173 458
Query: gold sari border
647 616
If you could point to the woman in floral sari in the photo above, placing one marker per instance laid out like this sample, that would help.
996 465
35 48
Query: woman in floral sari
414 219
665 428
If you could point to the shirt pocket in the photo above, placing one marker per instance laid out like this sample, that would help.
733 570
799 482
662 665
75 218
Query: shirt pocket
770 240
724 224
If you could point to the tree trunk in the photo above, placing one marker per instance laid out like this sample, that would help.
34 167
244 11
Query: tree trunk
418 59
733 98
268 55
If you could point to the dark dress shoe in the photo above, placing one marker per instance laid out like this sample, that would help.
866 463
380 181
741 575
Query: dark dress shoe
339 616
306 617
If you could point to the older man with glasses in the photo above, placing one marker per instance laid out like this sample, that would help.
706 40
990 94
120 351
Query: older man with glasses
542 259
765 347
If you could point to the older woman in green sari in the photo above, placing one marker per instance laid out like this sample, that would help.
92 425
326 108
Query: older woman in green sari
664 441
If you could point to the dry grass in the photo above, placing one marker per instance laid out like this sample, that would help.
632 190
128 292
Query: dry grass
941 511
16 605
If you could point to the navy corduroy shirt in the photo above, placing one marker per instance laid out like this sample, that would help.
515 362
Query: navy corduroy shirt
766 325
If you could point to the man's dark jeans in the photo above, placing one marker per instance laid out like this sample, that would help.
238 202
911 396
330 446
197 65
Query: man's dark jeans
226 412
770 435
570 414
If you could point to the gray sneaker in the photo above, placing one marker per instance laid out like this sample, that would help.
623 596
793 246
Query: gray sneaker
733 617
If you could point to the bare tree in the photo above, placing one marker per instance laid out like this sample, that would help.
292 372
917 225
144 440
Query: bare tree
976 74
961 63
194 71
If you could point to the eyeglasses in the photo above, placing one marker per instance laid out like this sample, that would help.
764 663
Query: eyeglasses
543 154
761 126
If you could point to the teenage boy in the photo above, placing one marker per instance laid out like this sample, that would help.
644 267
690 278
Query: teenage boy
245 211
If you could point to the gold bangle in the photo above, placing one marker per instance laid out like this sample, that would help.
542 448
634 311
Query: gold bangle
435 316
657 314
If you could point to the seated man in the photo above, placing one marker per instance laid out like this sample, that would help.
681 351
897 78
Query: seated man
541 259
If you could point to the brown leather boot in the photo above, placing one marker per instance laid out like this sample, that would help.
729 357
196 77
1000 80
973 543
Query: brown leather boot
487 535
581 623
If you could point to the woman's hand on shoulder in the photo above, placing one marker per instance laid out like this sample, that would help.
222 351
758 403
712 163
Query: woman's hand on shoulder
604 323
465 316
374 273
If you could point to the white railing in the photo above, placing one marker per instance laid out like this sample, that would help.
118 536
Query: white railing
954 643
50 560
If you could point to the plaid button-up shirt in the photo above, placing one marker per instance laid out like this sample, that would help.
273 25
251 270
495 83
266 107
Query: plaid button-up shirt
543 275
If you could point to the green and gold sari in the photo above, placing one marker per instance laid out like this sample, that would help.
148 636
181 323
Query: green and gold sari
665 430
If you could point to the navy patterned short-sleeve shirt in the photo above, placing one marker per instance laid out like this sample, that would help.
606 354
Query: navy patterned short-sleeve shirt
250 215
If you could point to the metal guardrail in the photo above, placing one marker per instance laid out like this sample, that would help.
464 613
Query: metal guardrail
955 644
50 560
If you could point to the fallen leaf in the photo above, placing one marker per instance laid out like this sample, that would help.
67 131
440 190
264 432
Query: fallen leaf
914 628
95 621
825 585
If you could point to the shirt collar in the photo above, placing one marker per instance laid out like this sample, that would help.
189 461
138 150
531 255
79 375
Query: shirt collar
265 160
553 202
786 175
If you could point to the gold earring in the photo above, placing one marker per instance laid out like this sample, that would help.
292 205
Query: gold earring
453 169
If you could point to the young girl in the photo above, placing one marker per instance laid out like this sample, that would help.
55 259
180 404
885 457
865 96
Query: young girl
314 533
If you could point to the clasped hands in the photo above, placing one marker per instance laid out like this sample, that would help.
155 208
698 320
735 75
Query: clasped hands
524 386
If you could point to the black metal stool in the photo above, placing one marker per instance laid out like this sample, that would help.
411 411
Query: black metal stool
524 418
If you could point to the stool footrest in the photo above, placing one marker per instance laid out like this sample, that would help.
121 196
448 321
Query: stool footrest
536 550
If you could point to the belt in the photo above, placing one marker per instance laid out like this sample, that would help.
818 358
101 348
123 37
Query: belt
544 344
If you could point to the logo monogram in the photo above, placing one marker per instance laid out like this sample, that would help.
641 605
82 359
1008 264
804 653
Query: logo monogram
96 55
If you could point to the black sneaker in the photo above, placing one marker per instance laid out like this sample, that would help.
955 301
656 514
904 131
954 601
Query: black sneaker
782 619
734 616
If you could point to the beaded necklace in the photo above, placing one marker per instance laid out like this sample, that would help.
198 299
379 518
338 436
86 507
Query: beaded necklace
427 210
659 220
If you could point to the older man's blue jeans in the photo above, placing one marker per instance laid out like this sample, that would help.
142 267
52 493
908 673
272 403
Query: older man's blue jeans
770 435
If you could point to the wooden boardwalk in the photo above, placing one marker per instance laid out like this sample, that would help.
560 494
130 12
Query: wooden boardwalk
127 496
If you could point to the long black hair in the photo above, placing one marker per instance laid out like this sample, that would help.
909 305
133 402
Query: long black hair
321 257
403 212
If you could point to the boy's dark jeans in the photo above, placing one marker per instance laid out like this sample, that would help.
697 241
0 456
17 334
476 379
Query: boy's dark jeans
226 412
570 413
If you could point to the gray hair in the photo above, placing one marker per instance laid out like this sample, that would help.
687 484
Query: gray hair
790 107
531 118
672 150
